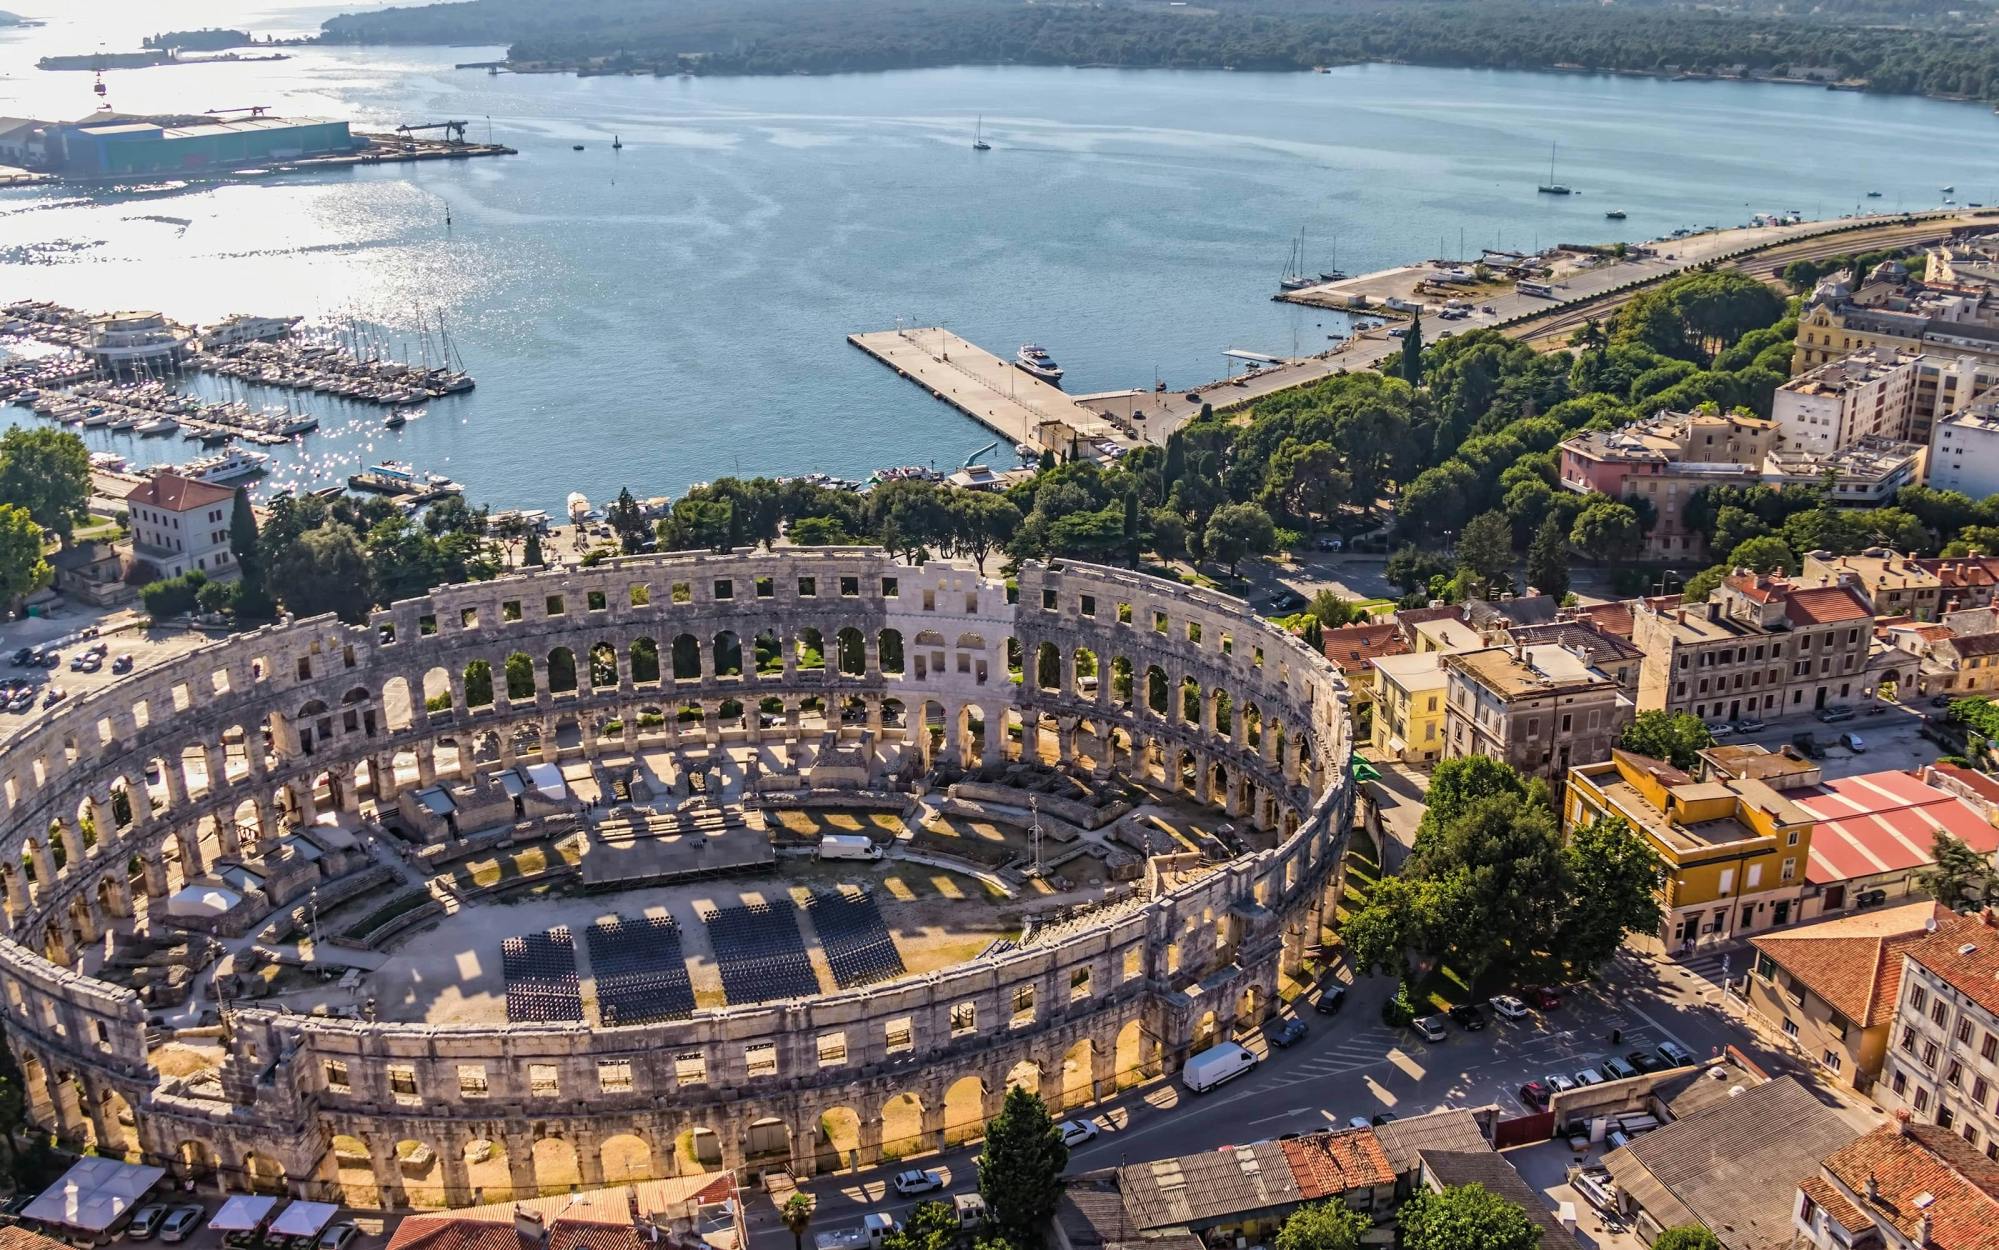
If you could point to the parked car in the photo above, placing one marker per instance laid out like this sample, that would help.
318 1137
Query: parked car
1596 1187
1358 1121
1536 1095
336 1236
146 1222
1854 743
181 1223
1675 1055
22 658
88 663
1380 1118
1589 1076
1616 1069
1431 1027
98 649
121 664
1835 712
1557 1083
1468 1017
1721 732
1289 1032
1076 1132
1286 601
55 695
1331 999
917 1181
1643 1060
51 658
1508 1007
1546 997
1748 725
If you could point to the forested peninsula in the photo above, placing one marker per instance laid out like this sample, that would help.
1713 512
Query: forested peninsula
1912 47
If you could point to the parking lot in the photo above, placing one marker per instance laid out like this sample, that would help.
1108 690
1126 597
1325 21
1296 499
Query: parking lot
1890 737
145 647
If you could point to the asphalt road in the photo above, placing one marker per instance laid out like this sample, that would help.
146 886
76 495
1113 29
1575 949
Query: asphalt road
1349 1065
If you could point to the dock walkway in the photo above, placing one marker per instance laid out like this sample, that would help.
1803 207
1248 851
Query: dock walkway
1014 404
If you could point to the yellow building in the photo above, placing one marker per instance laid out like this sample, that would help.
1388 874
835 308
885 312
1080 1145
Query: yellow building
1409 707
1734 850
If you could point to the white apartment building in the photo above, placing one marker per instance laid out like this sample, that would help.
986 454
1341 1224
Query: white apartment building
1964 451
1943 1048
1843 401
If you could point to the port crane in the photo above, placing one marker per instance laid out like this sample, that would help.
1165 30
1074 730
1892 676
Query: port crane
254 110
454 132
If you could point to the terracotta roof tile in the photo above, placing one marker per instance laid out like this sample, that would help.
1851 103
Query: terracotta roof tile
1963 951
1963 1186
1834 1203
1976 644
1826 604
1854 963
175 493
1611 618
1350 647
1328 1164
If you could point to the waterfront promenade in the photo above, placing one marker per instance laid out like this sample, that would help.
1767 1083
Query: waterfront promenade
1014 404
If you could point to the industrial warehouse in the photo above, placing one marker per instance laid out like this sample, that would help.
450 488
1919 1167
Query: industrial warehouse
116 145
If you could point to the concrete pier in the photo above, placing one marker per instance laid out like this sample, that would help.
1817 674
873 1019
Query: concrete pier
1012 403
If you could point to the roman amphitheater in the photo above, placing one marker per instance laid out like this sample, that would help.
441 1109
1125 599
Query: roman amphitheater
527 884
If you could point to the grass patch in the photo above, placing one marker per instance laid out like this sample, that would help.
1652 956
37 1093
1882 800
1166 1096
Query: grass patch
1440 989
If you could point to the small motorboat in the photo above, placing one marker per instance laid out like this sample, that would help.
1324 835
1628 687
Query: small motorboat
1615 214
395 420
576 147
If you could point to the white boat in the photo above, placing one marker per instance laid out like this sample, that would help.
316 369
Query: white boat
1036 362
578 507
227 466
979 143
1551 187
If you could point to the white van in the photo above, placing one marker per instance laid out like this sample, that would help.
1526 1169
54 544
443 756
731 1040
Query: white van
1215 1065
848 846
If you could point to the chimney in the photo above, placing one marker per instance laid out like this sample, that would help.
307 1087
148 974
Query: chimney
1923 1229
1902 1117
528 1227
1990 918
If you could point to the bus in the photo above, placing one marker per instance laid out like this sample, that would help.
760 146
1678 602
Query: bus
1541 289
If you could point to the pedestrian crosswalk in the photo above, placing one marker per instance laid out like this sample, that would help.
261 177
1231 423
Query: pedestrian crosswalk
1717 964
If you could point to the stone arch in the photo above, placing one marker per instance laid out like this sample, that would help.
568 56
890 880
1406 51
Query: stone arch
263 1174
487 1170
1157 692
1077 1084
196 1161
1128 1055
1083 672
556 1169
888 651
421 1173
769 650
603 667
1026 1075
766 1138
895 715
121 1126
1221 713
644 653
561 671
850 648
809 645
626 1157
1047 667
353 1171
1206 1031
1252 726
1190 700
965 1109
902 1125
686 658
478 684
1122 682
520 676
839 1140
1186 770
700 1150
436 690
398 704
728 654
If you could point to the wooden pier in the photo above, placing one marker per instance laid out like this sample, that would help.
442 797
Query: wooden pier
1014 404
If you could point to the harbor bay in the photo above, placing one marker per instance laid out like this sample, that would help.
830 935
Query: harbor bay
686 298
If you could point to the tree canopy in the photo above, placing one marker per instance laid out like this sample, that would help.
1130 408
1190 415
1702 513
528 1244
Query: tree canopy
1020 1173
46 472
1465 1217
1676 737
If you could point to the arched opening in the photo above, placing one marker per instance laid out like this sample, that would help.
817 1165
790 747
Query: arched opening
1078 1085
478 683
965 1110
770 653
686 658
1252 726
1205 1031
902 1125
196 1161
851 648
1156 690
645 661
700 1150
436 692
561 671
1129 1061
811 650
520 676
1224 713
767 1138
1047 667
121 1127
888 651
1190 700
353 1172
728 654
263 1175
1025 1075
626 1157
840 1140
1083 671
398 710
603 666
421 1173
486 1170
555 1170
894 715
1121 682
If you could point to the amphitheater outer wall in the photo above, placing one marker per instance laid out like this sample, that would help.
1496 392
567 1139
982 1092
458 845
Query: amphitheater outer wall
1251 721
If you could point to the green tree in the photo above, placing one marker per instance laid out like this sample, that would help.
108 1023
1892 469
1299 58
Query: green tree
982 523
1548 558
627 522
1693 1236
1608 531
1397 918
1411 568
1703 584
253 597
1020 1176
1486 549
1734 526
533 556
1237 530
1465 1217
326 570
1330 611
797 1216
1676 737
819 531
1612 878
216 597
1330 1225
1959 877
1493 867
23 569
1412 352
931 1225
1767 554
1458 784
47 472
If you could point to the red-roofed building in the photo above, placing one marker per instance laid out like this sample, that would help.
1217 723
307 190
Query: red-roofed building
1904 1186
179 524
1350 647
1874 834
1978 789
1943 1056
700 1212
1831 986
